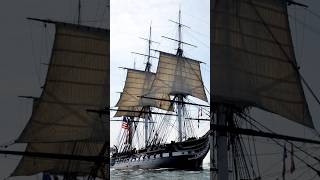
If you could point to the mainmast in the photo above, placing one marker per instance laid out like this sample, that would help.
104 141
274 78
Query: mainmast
179 54
147 108
180 96
179 50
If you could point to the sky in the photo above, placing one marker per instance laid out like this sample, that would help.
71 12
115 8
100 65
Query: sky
25 45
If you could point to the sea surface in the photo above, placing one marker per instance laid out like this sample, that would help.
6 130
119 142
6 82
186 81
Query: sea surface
161 174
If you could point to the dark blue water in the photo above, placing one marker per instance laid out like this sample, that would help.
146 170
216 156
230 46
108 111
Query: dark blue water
161 174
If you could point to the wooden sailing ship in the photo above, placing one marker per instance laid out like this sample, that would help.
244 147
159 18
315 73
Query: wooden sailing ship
253 64
64 138
176 78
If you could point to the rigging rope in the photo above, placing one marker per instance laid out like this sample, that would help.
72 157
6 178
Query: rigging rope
268 129
294 65
299 158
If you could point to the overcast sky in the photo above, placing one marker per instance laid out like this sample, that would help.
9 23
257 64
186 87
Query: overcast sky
25 45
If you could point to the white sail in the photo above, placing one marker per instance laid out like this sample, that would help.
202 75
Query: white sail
32 165
77 80
253 61
138 84
178 75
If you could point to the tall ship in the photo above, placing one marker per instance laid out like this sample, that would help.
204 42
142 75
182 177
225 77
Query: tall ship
65 137
254 65
152 105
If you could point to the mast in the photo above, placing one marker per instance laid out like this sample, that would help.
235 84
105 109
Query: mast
179 50
147 72
179 84
180 113
179 55
224 114
147 108
130 131
79 11
180 96
146 128
148 65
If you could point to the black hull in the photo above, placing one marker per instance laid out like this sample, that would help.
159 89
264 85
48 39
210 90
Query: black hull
187 155
170 162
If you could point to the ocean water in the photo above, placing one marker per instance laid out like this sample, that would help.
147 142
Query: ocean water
161 174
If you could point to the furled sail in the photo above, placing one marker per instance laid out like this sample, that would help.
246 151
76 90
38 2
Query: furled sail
253 61
178 75
32 165
77 80
138 84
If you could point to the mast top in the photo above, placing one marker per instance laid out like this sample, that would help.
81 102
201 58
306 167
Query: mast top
179 40
179 50
148 55
148 65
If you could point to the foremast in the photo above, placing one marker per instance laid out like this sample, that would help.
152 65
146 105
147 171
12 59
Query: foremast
134 97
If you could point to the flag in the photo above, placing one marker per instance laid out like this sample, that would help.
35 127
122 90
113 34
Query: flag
293 167
125 123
